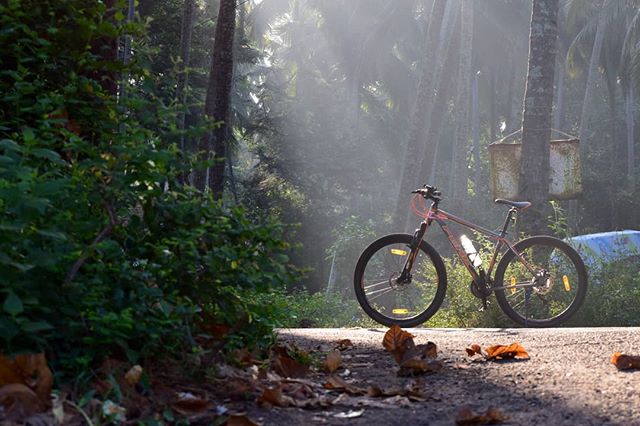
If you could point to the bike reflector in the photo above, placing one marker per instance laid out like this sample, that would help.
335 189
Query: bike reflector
513 283
565 280
398 252
400 311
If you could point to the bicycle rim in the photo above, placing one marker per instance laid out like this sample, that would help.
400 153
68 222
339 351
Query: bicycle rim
546 290
385 299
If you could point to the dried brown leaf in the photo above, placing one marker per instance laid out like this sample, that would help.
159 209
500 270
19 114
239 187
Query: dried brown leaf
30 370
188 404
339 384
625 362
298 391
19 402
333 361
344 344
274 396
240 420
419 360
133 375
397 341
466 417
286 366
504 352
474 350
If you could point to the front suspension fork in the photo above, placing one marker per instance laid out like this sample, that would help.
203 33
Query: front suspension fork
405 275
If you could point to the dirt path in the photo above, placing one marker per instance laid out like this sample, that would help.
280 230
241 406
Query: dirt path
567 381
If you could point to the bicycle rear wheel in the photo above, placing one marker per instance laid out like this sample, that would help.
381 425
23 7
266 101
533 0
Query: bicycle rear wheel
548 294
389 302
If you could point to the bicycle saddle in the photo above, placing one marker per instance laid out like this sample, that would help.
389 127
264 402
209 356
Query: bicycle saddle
517 204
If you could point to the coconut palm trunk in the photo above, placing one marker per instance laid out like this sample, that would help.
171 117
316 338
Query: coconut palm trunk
536 123
414 148
217 102
592 76
460 167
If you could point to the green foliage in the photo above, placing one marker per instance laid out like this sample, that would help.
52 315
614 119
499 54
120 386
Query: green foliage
98 257
304 309
613 298
460 307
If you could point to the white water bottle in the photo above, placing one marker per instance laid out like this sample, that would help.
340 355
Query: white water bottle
472 254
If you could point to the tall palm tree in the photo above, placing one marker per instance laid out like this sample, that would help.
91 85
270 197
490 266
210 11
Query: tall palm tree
214 144
461 143
538 101
414 146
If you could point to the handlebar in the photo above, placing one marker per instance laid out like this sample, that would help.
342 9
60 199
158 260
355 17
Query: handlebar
429 192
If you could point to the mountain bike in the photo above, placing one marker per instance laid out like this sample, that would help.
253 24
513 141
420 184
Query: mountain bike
401 279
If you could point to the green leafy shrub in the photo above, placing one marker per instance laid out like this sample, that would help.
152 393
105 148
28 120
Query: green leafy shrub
98 257
334 309
613 297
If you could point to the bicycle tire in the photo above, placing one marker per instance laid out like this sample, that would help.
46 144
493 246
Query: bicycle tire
566 282
429 282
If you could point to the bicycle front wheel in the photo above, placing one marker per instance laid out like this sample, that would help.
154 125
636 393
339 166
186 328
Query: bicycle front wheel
389 302
544 287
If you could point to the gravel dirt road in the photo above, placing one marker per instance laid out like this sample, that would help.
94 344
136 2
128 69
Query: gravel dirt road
568 379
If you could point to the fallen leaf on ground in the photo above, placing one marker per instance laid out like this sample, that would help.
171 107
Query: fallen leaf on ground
351 414
350 401
500 352
397 341
420 359
298 391
625 362
473 350
344 344
187 403
240 420
339 384
412 392
274 396
19 402
244 357
466 417
333 361
286 366
113 411
30 370
133 375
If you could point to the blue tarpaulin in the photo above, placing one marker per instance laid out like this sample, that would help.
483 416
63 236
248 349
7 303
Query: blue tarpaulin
606 247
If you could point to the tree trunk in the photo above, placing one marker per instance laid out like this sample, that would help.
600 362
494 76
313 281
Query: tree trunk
460 166
492 107
629 107
218 99
185 59
475 131
429 160
536 122
592 74
558 118
413 149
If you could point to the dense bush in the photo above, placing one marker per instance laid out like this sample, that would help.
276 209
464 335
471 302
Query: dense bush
103 252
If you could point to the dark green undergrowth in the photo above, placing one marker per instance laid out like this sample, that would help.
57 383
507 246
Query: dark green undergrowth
104 252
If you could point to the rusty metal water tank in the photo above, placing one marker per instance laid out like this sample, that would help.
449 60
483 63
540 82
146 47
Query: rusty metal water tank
565 169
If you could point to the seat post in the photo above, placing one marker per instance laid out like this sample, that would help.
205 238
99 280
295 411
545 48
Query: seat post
508 219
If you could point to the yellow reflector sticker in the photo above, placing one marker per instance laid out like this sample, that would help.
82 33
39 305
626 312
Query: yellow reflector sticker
398 252
565 280
400 311
513 283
